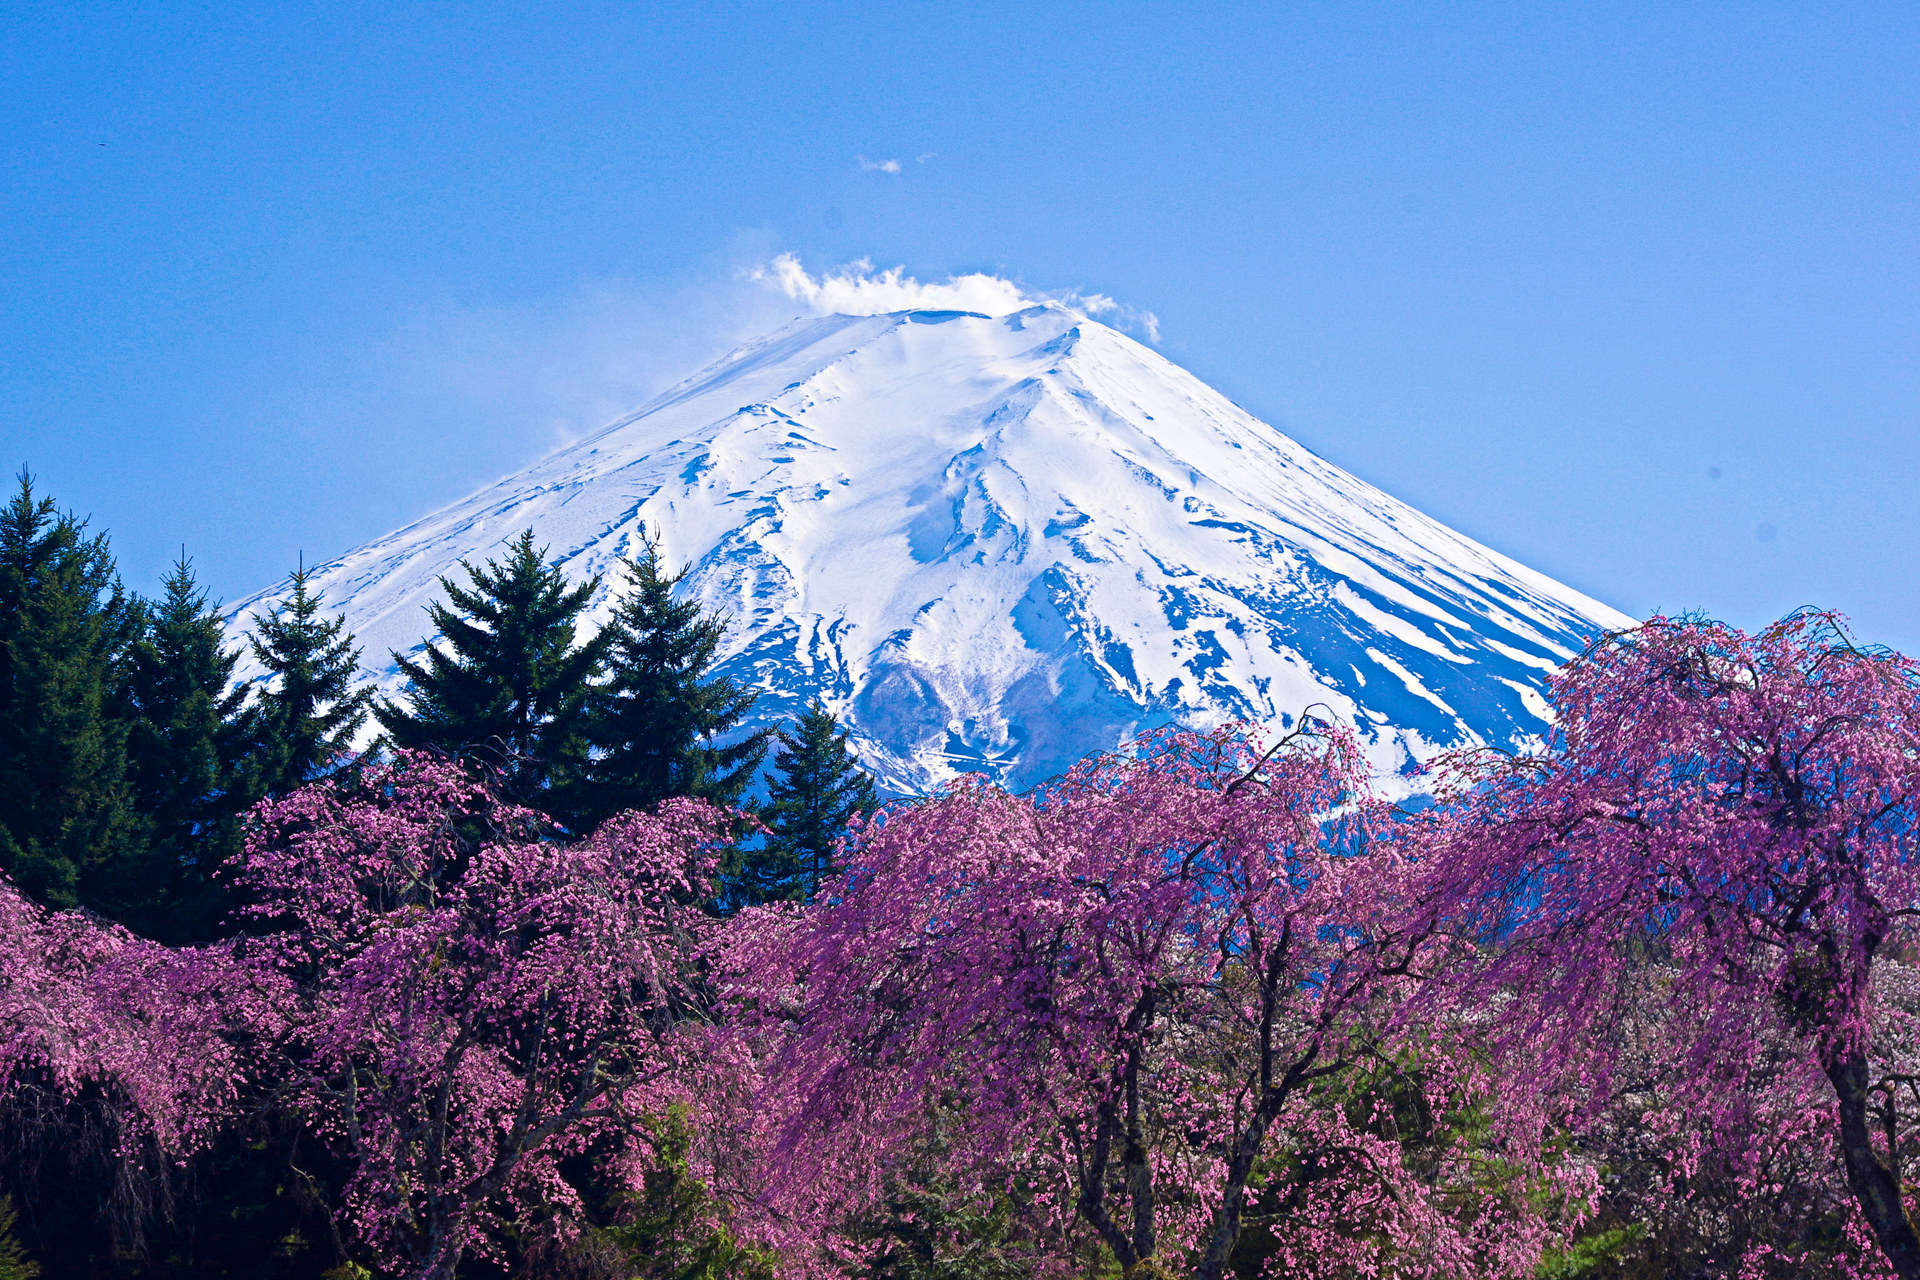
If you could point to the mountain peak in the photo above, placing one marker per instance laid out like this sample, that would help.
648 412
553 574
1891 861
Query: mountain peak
999 542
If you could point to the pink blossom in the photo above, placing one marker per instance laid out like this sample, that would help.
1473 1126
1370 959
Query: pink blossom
1126 985
1732 818
470 1001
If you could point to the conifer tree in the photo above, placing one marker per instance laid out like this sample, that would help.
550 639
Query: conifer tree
308 712
511 686
817 787
662 717
64 626
185 755
14 1263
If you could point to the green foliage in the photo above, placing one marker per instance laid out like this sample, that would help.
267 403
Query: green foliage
1595 1255
672 1229
14 1263
511 686
186 751
817 787
930 1227
660 721
65 814
934 1233
308 712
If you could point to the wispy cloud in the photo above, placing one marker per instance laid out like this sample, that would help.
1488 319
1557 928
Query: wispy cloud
882 166
1117 314
924 156
512 381
543 373
858 289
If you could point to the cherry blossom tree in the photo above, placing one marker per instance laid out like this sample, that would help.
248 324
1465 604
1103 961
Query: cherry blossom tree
119 1049
472 1000
1123 985
1736 819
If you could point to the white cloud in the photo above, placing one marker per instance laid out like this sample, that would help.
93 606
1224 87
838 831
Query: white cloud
884 166
924 156
859 290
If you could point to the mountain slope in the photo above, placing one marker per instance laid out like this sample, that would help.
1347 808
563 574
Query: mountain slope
1001 542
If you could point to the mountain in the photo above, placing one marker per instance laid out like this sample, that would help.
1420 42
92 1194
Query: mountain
998 543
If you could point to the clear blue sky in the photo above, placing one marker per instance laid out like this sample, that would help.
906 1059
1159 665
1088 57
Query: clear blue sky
1629 292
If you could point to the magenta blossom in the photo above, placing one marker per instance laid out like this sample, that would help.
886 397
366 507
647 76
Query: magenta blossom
157 1045
473 1000
1736 819
1128 987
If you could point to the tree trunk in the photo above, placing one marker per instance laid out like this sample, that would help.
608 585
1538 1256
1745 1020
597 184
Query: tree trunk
1226 1228
1873 1186
1093 1188
443 1263
1139 1171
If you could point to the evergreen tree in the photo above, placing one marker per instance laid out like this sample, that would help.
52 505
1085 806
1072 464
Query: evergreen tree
308 712
511 687
65 820
661 719
14 1263
817 787
185 756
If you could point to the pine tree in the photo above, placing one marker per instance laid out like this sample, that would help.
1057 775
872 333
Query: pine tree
185 757
308 712
14 1263
818 786
65 820
660 721
511 687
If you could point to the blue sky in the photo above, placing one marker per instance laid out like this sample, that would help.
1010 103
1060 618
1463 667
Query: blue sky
1631 293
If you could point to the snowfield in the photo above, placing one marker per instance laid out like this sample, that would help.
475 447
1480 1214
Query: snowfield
999 543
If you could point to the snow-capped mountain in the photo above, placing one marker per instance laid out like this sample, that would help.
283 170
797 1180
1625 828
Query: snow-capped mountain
998 543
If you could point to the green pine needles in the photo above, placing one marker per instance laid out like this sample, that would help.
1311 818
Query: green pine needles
14 1263
663 718
510 686
581 730
187 756
65 623
817 789
308 712
127 753
129 756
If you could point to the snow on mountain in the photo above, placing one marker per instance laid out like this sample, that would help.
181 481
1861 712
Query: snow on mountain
998 543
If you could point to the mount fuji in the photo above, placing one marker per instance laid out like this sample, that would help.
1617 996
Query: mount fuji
1000 542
